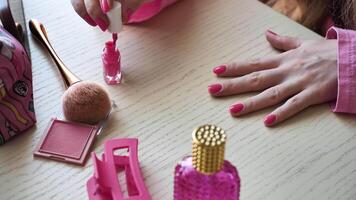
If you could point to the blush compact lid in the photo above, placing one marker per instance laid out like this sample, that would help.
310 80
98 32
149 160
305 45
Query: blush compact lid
66 141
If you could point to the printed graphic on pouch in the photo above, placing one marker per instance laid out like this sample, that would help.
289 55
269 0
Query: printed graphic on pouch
31 106
6 46
2 140
10 129
2 89
20 88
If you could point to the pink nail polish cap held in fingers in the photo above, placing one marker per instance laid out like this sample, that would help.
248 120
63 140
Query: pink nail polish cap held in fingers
115 18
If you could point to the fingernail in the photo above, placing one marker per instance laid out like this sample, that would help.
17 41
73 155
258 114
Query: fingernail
236 108
270 119
102 24
220 69
89 20
271 32
214 88
105 6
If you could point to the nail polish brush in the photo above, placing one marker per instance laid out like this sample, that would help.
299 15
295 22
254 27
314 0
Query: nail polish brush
111 55
83 101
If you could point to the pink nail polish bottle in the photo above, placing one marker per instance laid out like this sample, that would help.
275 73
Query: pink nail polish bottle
206 175
111 62
111 55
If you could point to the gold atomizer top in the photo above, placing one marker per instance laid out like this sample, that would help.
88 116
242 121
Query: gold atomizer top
208 148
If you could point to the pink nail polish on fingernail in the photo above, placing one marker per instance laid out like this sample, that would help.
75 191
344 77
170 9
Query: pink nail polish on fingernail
89 20
236 108
270 119
271 32
220 69
214 88
102 24
105 6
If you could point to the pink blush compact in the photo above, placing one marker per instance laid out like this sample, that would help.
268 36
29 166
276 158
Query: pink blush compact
66 141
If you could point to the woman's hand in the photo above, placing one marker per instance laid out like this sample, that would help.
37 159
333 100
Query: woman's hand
304 75
93 11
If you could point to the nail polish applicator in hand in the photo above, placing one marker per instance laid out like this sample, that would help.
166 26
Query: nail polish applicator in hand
83 101
115 18
111 56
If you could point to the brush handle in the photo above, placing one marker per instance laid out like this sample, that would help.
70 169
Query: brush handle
39 32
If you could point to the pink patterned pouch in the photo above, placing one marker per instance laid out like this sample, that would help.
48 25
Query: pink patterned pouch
16 99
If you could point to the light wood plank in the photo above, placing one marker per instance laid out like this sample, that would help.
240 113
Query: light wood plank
167 64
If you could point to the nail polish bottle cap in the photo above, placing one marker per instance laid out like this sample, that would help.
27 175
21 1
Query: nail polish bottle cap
208 148
115 18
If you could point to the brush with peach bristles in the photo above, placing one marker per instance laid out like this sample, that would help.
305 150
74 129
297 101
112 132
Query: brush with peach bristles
83 101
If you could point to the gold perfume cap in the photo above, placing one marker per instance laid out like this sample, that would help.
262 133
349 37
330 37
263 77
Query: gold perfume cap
208 148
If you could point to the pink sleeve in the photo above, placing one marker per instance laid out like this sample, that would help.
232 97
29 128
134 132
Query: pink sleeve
149 9
346 95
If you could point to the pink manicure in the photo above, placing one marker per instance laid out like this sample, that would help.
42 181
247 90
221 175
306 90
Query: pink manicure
214 88
236 108
220 69
271 32
89 20
105 6
270 119
102 24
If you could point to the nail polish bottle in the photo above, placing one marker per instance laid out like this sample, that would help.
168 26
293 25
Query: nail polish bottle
111 62
206 175
111 55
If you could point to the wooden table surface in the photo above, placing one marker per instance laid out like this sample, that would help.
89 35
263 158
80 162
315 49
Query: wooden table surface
167 64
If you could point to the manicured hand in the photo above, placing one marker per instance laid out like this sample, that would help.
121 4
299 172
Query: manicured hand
304 74
93 11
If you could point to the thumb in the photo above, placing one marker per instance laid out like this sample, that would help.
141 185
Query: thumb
283 43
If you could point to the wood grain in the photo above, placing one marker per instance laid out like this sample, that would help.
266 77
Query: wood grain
167 64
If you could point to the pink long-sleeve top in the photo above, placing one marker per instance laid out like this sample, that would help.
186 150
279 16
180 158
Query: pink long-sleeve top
346 96
148 10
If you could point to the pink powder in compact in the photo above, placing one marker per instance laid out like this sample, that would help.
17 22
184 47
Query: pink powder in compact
66 141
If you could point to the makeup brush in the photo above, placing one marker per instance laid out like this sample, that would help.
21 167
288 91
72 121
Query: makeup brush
83 101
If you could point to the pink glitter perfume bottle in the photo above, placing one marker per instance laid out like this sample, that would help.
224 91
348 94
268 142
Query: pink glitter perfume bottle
206 175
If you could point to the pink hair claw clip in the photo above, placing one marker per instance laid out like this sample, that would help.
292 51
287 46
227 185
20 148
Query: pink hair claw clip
104 184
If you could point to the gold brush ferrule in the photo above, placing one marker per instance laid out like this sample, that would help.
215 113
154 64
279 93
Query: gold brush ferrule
208 148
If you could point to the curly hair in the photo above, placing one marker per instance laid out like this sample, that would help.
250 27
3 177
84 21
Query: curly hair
343 13
315 12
